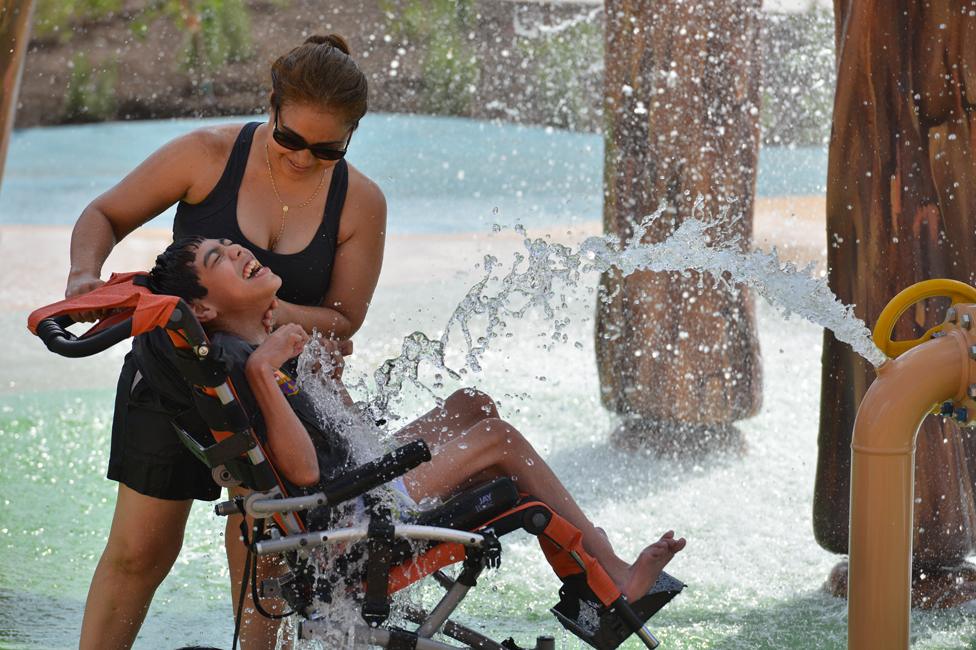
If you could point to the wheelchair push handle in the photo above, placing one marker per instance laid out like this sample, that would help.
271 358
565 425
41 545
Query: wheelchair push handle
375 473
55 335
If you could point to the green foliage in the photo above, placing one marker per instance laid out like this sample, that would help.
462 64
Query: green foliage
56 18
90 96
440 29
565 68
215 31
798 78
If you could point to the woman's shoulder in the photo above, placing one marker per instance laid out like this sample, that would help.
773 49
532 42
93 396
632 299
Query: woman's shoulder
365 206
365 193
205 151
214 141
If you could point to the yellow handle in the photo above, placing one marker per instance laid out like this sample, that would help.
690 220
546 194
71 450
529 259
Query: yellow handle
952 289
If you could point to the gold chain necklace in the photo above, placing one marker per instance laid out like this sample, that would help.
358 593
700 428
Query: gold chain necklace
284 207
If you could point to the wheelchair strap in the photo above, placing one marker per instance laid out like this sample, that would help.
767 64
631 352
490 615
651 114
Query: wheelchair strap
376 605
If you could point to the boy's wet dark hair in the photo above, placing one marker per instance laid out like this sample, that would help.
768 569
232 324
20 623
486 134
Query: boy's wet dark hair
174 273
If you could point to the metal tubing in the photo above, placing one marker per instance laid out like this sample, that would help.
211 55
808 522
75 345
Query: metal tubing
15 21
882 486
311 540
368 636
448 603
264 507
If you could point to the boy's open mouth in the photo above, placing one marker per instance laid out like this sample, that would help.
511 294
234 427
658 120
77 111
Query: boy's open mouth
251 269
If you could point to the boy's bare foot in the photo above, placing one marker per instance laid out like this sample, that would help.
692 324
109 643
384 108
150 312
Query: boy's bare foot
649 564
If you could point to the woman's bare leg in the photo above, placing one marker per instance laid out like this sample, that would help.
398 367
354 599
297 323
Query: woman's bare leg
144 541
493 447
257 632
461 411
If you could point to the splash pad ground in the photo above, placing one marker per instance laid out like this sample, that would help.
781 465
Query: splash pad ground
753 569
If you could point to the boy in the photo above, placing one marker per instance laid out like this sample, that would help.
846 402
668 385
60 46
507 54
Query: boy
229 292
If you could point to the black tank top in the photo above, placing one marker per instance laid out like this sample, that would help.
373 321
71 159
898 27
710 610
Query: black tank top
304 275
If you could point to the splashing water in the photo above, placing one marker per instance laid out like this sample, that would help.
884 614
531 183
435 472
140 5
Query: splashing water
791 290
540 278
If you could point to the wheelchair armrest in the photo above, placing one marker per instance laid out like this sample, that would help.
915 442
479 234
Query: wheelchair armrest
377 472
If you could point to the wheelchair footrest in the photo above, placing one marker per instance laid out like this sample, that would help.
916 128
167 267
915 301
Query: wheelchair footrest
580 612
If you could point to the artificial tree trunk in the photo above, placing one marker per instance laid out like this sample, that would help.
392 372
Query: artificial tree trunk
901 208
678 359
15 22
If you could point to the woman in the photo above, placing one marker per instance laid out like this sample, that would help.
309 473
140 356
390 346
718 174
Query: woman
283 189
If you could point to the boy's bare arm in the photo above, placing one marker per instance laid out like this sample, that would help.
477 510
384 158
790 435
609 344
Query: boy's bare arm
288 440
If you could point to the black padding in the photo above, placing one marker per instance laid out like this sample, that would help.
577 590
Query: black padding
377 472
221 453
220 417
210 371
59 340
473 507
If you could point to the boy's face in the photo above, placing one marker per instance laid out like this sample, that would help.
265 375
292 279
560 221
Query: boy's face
235 281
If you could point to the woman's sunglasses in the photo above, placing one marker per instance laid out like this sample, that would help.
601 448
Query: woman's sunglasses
291 140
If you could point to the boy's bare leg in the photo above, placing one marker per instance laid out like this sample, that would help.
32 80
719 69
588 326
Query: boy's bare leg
461 411
144 541
493 447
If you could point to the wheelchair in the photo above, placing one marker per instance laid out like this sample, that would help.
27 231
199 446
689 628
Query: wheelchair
380 554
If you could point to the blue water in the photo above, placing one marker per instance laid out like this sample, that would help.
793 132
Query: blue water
440 175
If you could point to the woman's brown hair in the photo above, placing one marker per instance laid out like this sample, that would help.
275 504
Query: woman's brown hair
320 72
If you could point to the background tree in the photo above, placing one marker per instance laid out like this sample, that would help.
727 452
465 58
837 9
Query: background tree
679 362
901 205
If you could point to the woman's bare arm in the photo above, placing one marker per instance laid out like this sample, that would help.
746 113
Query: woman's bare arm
358 260
165 177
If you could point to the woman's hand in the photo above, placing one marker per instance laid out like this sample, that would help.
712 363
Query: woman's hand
79 284
269 316
283 344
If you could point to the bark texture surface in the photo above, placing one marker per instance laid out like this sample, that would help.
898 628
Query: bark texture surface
901 208
682 117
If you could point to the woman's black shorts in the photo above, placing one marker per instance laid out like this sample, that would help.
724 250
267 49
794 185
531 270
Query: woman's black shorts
147 455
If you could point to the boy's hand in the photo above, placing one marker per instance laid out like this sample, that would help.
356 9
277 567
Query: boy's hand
283 344
333 353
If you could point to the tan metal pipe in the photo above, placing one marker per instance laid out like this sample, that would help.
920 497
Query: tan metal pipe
15 20
882 485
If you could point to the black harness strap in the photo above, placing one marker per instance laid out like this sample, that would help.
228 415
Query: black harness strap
376 606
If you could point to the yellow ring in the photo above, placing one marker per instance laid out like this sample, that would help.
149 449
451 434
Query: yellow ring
953 289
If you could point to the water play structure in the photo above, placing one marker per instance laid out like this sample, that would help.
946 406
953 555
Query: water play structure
15 20
679 358
901 186
937 370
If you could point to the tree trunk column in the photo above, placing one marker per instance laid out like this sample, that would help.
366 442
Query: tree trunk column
682 122
15 21
901 208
